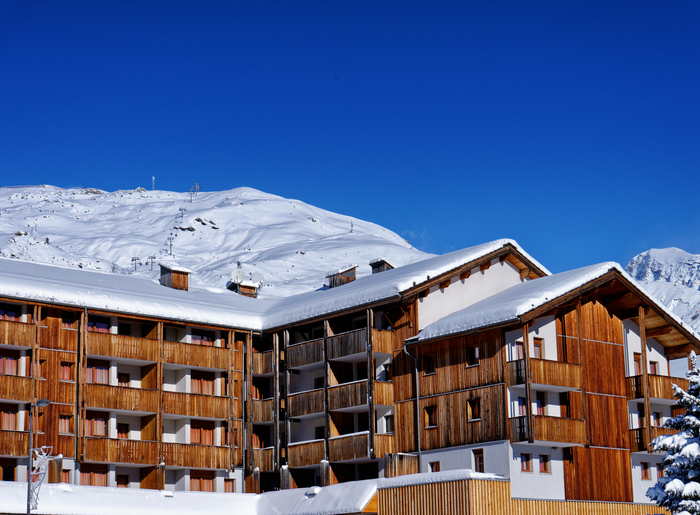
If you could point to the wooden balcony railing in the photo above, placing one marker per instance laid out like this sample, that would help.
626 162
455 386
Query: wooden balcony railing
120 346
546 371
305 403
65 446
305 353
350 447
17 333
383 393
197 456
203 355
14 443
264 459
347 395
383 444
62 392
549 429
383 341
18 388
195 405
659 386
262 362
121 450
263 410
121 398
345 344
639 444
306 453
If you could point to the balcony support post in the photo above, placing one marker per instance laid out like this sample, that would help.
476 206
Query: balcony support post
326 380
287 422
276 401
370 384
647 432
528 384
160 471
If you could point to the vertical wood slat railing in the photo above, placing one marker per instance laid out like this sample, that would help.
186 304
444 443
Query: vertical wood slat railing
18 388
121 450
639 444
345 344
382 341
121 398
203 355
194 455
262 362
264 459
659 386
347 395
304 353
17 333
195 405
383 444
307 453
121 346
305 403
350 447
558 429
262 410
383 393
546 371
14 443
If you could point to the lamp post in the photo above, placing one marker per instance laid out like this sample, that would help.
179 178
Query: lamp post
38 404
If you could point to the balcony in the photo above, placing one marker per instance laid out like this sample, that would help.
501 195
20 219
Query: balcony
14 443
262 363
62 392
17 333
304 354
638 442
196 456
383 341
347 395
383 444
546 372
193 354
305 403
305 454
349 447
562 431
121 450
121 398
120 346
17 388
195 405
264 459
659 387
263 410
383 393
346 344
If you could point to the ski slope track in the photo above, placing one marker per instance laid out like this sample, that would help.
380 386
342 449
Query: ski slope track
291 243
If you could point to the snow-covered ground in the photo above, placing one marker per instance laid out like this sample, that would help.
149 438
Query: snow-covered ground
292 244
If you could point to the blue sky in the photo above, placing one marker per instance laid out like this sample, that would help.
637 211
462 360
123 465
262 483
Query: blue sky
572 127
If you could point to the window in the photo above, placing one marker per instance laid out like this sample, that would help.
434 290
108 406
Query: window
122 481
637 364
320 432
544 464
656 419
9 359
541 402
518 350
123 379
122 430
389 423
659 471
478 460
202 432
96 424
97 372
474 409
522 407
38 368
654 368
201 480
65 476
565 404
472 356
65 372
430 416
229 485
98 324
202 382
645 470
525 463
319 382
428 364
8 416
434 466
65 424
537 353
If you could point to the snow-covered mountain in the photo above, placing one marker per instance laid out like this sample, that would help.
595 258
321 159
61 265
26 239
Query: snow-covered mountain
673 277
291 243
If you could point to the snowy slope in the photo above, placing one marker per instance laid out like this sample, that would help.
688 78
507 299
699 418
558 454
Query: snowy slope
673 277
292 244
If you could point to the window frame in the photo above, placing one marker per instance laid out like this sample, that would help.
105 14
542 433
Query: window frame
525 462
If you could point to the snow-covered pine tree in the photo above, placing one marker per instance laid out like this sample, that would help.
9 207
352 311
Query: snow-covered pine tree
679 489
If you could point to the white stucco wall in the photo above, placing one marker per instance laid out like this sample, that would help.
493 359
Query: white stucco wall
496 457
633 344
461 294
536 485
639 485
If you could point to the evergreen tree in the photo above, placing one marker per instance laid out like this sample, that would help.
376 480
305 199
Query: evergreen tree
679 489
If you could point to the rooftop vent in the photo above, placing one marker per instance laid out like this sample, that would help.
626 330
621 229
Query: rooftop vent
345 274
380 265
175 277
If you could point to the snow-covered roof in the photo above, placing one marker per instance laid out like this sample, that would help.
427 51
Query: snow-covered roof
379 260
510 304
175 267
217 306
342 269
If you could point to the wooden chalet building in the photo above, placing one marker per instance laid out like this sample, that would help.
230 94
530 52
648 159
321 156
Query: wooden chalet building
428 366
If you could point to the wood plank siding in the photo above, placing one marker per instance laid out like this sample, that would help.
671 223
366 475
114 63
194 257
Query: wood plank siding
122 450
195 405
193 455
120 346
17 333
350 447
264 459
122 398
384 393
14 443
203 356
383 444
16 388
306 453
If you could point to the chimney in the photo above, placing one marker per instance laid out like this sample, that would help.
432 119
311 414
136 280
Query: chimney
380 265
345 274
175 277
